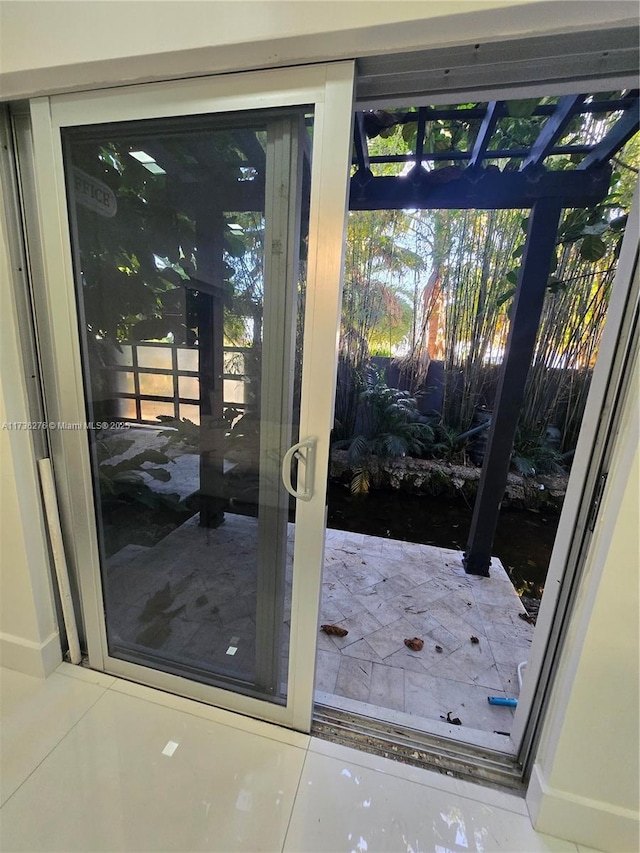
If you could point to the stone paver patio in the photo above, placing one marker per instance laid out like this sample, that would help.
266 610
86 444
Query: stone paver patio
383 592
190 596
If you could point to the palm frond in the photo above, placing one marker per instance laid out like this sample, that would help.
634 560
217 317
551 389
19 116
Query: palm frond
360 482
358 450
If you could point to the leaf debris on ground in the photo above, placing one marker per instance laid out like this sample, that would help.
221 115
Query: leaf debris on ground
334 630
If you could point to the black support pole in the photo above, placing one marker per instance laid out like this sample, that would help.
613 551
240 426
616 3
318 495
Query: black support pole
210 311
523 330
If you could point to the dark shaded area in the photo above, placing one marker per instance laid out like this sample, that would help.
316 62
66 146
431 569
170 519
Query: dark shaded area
524 538
137 524
523 542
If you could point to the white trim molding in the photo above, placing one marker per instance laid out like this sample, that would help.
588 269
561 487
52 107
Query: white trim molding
67 57
38 659
579 819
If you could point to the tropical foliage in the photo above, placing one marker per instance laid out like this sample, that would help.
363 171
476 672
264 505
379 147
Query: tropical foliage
419 286
456 271
123 482
390 426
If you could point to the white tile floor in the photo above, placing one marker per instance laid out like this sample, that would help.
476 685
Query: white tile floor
92 763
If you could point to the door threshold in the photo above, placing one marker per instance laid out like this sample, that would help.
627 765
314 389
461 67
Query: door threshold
455 757
494 741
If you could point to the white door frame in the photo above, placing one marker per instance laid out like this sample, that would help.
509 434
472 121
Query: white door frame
329 90
578 510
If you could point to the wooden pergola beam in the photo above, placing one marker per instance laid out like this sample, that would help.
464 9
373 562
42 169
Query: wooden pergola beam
521 342
552 130
462 156
360 142
453 188
489 122
466 114
622 131
559 115
422 124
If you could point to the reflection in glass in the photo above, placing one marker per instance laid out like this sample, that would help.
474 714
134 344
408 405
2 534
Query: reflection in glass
191 338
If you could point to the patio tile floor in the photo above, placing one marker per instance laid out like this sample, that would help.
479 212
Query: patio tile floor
381 591
424 592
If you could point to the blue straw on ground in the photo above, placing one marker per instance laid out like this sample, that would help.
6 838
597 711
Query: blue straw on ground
502 700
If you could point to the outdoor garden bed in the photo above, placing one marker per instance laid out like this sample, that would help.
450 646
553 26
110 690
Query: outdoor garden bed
444 479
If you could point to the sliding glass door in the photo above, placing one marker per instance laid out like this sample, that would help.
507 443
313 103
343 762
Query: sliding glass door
191 309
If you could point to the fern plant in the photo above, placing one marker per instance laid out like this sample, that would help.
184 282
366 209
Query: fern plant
390 427
533 454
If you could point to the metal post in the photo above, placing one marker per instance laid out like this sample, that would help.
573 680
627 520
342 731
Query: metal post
523 330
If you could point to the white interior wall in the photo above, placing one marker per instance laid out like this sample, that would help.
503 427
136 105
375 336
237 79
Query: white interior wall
84 31
29 638
585 781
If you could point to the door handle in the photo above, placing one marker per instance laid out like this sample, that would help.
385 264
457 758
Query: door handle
305 452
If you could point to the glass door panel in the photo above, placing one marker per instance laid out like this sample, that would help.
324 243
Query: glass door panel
188 311
188 240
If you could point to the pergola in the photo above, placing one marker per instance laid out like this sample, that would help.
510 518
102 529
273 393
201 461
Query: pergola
455 179
485 176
